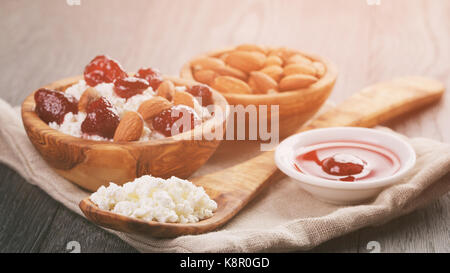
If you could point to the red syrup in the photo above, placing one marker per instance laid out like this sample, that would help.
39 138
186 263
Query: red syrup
347 161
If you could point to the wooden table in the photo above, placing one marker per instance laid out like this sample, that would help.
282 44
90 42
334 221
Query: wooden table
43 41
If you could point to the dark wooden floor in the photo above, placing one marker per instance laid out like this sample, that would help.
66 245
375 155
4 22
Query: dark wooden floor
45 40
31 221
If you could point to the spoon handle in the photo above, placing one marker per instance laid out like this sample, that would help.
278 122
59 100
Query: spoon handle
381 102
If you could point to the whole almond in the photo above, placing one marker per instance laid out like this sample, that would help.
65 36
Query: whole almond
263 82
183 98
230 71
245 60
227 84
207 63
273 60
274 71
205 76
299 68
296 81
298 58
252 47
166 90
130 128
320 69
89 95
152 107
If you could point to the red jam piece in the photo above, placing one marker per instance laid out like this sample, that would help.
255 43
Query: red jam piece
52 106
203 92
342 165
173 118
103 69
129 87
152 76
101 119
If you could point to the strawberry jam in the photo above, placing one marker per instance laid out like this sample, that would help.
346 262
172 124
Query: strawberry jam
203 92
347 161
128 87
101 119
103 69
172 121
52 106
152 76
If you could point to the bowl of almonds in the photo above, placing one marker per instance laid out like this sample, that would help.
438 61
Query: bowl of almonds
299 83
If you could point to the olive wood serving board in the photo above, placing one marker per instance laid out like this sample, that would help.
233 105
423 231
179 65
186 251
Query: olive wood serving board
233 187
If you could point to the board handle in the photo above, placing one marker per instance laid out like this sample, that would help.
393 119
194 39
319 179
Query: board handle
381 102
371 106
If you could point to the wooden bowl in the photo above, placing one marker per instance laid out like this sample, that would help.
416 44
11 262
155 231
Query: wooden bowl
295 107
91 164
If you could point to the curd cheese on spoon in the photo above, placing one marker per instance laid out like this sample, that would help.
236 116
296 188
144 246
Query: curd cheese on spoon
155 199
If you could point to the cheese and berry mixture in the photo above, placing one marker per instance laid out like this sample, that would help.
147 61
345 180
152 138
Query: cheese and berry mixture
155 199
93 107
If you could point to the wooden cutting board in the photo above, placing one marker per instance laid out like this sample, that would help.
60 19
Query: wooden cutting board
234 187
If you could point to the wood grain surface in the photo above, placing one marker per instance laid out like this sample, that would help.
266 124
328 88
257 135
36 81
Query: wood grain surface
43 41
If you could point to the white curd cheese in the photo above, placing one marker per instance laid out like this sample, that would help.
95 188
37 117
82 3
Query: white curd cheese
155 199
72 122
106 90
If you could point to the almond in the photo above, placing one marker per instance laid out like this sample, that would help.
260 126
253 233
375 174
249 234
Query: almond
227 84
263 82
166 90
298 58
233 72
184 98
272 91
320 69
130 128
245 60
206 76
89 95
252 84
152 107
252 47
207 63
273 60
299 68
282 52
296 81
274 71
223 56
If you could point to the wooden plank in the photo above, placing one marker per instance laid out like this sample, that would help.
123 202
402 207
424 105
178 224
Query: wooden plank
68 226
26 213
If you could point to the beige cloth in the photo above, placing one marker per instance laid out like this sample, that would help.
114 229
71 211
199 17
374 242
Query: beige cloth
282 218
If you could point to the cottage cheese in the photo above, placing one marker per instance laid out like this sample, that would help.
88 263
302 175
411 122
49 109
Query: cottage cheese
155 199
72 122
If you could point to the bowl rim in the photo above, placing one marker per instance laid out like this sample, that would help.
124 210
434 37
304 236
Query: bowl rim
280 160
329 76
32 120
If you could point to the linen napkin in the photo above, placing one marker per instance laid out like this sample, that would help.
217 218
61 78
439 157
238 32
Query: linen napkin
282 218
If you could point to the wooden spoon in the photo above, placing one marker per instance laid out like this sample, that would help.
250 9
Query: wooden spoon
234 187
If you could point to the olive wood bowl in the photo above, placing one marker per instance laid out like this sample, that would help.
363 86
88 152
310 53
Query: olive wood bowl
295 106
91 164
